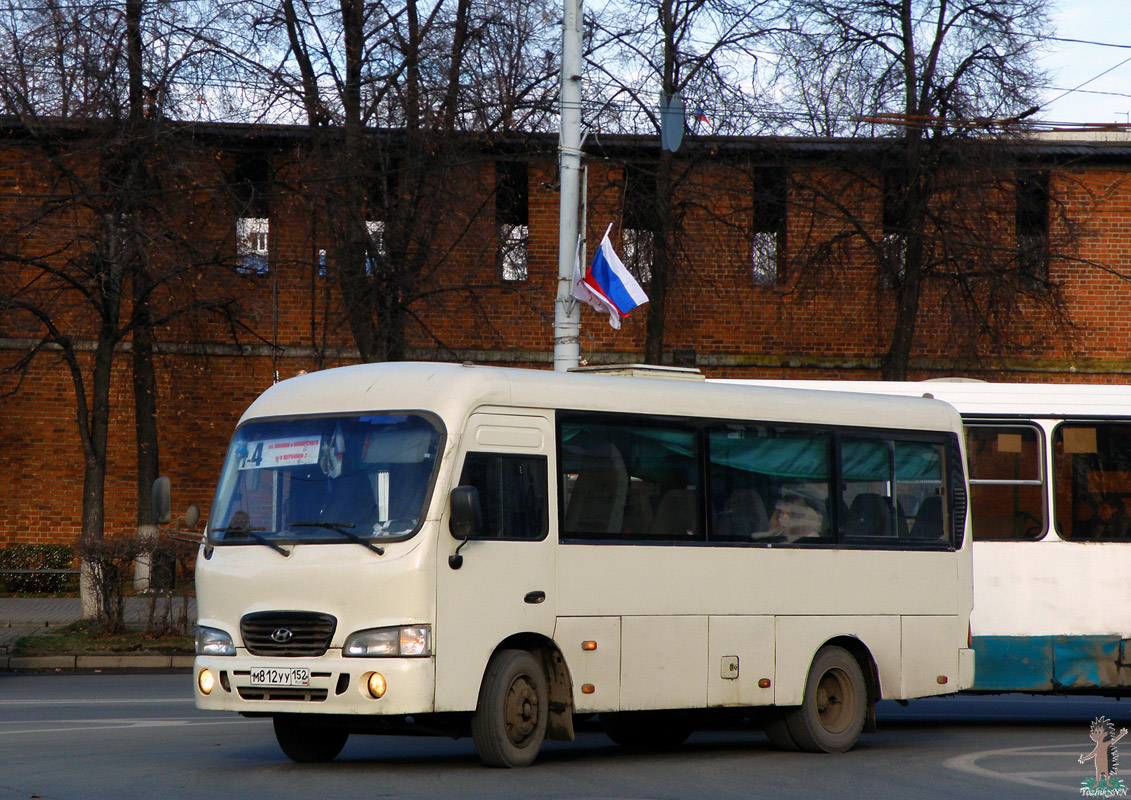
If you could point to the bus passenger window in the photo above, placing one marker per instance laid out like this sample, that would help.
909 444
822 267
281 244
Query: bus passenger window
598 491
866 473
513 494
1092 481
629 479
769 485
919 481
1006 481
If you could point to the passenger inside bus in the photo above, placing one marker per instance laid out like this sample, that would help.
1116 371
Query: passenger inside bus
796 516
1112 521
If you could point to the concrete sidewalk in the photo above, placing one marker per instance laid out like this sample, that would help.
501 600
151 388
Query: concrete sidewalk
23 616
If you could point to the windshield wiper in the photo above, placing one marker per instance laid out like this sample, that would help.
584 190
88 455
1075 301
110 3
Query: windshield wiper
343 529
252 533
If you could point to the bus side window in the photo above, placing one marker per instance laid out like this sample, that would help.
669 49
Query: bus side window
598 493
627 478
866 475
1092 469
769 485
920 482
1007 489
512 493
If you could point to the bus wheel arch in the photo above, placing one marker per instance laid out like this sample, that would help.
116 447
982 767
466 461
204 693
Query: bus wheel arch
544 685
560 720
835 704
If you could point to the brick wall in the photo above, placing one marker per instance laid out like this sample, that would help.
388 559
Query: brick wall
837 328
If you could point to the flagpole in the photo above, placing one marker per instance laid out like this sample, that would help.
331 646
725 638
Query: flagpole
567 313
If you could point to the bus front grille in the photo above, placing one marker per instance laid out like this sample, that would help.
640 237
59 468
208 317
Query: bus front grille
300 694
290 634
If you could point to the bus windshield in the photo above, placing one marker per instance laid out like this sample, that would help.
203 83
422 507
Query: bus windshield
325 479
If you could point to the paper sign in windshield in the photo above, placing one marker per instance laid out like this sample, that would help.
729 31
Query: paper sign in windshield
275 453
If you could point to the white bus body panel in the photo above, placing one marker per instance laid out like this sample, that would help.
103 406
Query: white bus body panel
792 591
483 602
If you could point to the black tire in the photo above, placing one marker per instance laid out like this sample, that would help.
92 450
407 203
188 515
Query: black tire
306 742
831 716
644 730
777 729
509 723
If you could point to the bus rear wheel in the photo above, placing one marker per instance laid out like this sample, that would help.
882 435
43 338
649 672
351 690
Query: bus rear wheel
308 743
775 723
831 715
509 723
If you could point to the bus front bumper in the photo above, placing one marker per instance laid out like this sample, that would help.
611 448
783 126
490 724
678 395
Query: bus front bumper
327 685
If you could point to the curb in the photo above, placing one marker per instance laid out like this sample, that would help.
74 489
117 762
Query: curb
98 663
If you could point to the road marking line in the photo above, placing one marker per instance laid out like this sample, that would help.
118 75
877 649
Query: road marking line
96 702
95 726
968 763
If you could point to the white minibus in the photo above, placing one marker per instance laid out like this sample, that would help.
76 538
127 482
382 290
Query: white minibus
463 550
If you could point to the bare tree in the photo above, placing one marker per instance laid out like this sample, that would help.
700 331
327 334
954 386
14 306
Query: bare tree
683 56
389 91
94 255
951 82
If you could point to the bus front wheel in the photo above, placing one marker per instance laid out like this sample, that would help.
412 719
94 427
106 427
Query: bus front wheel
304 742
509 723
831 716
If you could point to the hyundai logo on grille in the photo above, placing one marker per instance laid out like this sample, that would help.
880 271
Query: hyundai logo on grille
282 635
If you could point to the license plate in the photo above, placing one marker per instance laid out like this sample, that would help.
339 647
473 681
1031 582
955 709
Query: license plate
272 676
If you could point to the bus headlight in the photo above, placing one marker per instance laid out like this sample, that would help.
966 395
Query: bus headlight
406 641
213 642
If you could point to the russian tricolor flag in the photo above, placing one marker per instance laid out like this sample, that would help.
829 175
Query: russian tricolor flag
608 286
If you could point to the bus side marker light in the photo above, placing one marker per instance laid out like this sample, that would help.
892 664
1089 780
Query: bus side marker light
589 645
376 684
941 680
588 688
764 683
206 681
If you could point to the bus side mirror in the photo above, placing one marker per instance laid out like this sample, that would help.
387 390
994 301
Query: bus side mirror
192 516
465 521
162 503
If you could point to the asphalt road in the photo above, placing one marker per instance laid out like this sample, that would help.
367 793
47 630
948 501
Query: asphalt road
80 736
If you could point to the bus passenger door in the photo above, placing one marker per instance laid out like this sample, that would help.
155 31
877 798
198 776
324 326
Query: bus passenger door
506 582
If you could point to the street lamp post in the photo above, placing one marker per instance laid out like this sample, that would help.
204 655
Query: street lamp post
567 313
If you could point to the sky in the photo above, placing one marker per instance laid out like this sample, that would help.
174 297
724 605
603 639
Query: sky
1106 98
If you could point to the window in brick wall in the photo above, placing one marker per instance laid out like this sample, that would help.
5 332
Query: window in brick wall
249 182
768 228
894 244
1032 189
638 249
252 239
377 254
638 233
512 221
